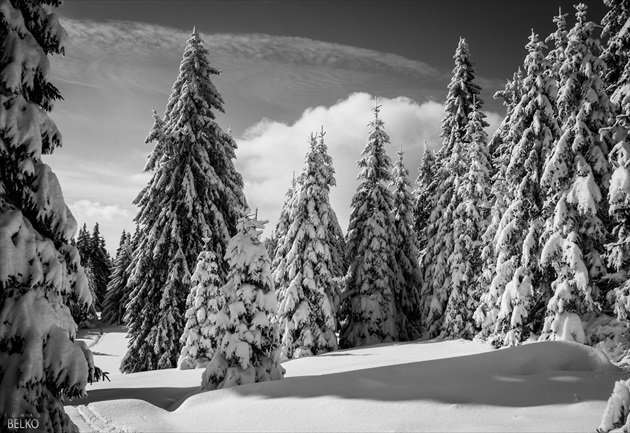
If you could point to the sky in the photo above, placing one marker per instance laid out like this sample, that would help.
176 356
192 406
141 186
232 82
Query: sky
289 68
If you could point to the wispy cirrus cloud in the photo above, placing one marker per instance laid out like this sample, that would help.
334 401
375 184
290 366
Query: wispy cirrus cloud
277 72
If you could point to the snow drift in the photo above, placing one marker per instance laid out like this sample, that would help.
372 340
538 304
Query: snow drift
451 385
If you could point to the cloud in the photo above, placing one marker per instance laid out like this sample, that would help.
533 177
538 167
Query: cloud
270 151
279 74
101 49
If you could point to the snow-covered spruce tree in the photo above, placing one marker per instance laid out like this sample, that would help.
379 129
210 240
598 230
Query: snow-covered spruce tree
617 51
204 302
511 95
372 274
248 347
195 192
618 250
515 298
462 91
500 150
615 417
282 226
100 264
436 277
81 312
560 38
463 94
84 245
337 238
114 304
423 196
575 178
307 262
41 364
406 296
470 221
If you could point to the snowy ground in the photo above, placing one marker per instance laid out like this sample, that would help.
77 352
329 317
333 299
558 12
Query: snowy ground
421 386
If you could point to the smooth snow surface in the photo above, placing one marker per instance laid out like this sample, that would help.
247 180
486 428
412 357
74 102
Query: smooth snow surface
434 385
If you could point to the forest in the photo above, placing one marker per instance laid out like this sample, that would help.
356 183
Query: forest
510 239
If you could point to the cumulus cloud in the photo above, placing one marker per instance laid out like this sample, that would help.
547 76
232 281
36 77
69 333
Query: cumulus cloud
270 151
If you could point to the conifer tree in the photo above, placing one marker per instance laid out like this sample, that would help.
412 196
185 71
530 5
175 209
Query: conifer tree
406 297
84 245
436 278
308 261
100 265
462 91
511 95
114 306
470 220
424 196
500 150
618 249
195 193
337 238
249 343
452 164
517 286
617 51
372 275
83 313
40 271
282 226
204 302
575 178
560 38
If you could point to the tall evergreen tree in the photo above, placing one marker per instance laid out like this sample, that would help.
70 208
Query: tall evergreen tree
84 245
618 250
284 222
575 177
372 273
617 51
424 196
249 349
114 305
307 262
435 269
406 296
517 291
462 91
195 193
500 150
84 313
452 164
100 264
511 95
41 363
557 56
204 302
470 220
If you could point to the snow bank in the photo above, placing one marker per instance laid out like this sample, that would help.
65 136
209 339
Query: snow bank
420 386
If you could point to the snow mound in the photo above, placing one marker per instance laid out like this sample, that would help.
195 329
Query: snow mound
451 385
553 356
